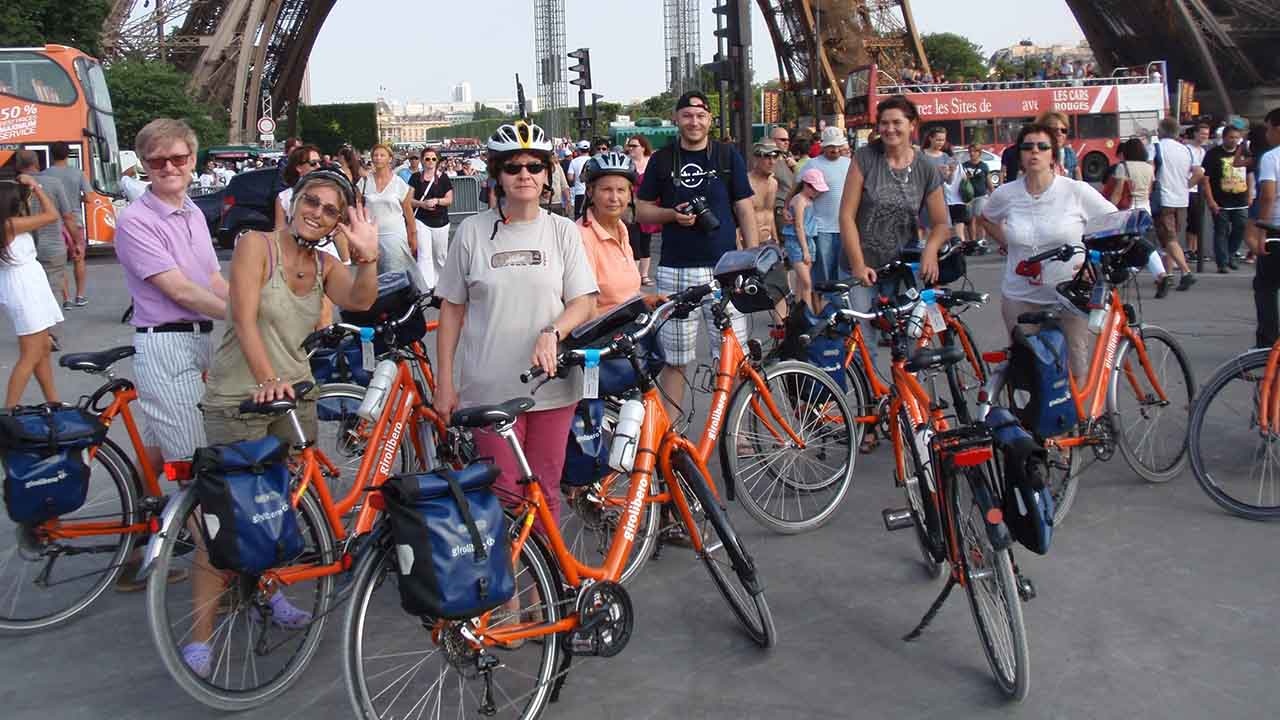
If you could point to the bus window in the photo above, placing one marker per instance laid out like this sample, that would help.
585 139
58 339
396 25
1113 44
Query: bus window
951 126
1097 126
104 146
1137 124
1007 129
979 131
35 77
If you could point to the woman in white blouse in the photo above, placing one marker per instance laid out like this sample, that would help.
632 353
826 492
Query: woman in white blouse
1039 211
388 199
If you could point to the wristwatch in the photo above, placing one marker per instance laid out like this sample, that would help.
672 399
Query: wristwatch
551 329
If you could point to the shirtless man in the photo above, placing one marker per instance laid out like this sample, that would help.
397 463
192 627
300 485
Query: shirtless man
765 186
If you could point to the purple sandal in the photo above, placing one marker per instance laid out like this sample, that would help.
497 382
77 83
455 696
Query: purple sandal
199 657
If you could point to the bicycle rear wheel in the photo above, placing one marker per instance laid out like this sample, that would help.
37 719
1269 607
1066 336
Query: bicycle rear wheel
1064 475
787 488
398 665
971 374
251 662
44 582
1235 463
990 585
732 569
1152 434
920 501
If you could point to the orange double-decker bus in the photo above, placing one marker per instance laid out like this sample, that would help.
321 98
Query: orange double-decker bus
1102 112
54 93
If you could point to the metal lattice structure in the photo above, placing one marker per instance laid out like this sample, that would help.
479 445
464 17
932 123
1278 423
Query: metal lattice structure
818 42
683 56
1227 45
550 48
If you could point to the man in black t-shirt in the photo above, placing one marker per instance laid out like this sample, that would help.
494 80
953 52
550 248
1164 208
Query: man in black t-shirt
432 194
1009 164
979 178
1228 198
694 167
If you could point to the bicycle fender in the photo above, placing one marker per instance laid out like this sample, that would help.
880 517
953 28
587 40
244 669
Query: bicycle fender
168 519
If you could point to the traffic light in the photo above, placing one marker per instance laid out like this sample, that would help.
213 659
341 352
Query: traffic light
719 69
583 68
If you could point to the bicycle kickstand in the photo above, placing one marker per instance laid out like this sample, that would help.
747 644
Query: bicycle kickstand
933 610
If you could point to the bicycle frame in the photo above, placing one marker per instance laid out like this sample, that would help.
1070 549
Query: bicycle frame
1268 395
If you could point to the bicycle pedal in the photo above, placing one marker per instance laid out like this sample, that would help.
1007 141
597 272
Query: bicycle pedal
1026 589
897 519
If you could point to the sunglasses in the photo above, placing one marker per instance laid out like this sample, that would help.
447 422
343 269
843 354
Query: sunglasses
766 153
178 161
514 168
632 146
312 163
1041 146
429 159
1060 130
330 211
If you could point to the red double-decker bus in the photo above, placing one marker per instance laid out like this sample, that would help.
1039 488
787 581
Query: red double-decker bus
1103 112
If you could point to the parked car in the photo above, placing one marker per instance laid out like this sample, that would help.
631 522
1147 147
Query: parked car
248 203
210 204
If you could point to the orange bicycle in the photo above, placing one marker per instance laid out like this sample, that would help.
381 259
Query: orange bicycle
51 572
504 662
1139 388
953 498
254 657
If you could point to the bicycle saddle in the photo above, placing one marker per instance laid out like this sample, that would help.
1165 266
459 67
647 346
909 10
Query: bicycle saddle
277 407
931 358
96 362
486 415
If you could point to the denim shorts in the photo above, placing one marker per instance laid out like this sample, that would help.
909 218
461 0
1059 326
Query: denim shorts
791 245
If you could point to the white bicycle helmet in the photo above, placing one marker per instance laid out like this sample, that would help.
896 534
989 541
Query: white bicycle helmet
610 163
519 135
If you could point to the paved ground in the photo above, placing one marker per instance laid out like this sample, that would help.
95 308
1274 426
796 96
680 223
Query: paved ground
1153 603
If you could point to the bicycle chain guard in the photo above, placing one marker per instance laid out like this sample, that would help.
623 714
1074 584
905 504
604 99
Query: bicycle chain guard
605 621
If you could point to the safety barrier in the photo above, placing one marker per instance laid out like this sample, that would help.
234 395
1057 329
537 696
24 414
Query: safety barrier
466 196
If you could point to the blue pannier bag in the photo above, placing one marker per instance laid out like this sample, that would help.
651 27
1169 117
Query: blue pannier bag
248 523
586 457
1028 505
807 338
45 460
1038 365
343 364
450 536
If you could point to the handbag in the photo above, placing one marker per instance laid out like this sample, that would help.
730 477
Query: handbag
1126 194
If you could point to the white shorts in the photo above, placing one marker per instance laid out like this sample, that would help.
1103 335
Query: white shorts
679 338
25 294
169 372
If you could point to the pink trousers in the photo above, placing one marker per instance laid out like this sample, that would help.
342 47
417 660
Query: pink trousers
543 435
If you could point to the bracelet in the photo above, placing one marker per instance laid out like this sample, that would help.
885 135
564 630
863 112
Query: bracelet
364 261
268 381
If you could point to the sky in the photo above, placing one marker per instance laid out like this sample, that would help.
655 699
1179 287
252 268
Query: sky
411 50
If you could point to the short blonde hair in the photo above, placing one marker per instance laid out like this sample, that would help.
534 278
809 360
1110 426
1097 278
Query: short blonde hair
382 146
1051 116
164 130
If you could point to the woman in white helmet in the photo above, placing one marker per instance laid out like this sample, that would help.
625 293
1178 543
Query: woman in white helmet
515 281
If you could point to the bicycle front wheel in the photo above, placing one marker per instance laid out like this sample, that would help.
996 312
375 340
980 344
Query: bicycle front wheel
917 481
790 487
990 585
732 569
45 582
1152 433
342 436
1236 464
399 665
253 650
590 515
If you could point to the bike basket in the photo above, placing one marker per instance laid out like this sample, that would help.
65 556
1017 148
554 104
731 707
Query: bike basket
601 330
1073 296
450 535
1114 232
754 279
951 268
343 364
396 294
248 523
44 453
1028 505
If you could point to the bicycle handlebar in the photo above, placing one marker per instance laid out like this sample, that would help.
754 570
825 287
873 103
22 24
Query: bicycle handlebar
333 335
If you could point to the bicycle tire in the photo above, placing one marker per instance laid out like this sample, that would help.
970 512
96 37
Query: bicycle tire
1131 443
789 477
930 551
590 514
1214 464
339 432
971 374
1064 476
374 572
313 524
991 586
112 490
725 549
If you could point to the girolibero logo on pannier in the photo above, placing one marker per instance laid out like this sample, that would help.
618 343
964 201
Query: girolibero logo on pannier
450 538
45 457
248 523
586 457
1038 365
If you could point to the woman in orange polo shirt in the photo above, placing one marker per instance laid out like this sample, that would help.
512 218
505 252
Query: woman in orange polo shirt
611 179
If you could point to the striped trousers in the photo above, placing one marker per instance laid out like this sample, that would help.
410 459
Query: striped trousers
169 373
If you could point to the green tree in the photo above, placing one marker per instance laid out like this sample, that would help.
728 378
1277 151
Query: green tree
955 55
329 126
77 23
142 90
484 112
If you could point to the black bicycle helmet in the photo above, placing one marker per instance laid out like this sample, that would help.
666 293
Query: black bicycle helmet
332 174
610 163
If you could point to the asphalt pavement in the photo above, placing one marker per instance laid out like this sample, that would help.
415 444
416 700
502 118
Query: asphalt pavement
1152 602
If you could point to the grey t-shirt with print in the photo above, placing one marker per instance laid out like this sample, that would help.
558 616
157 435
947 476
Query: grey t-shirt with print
891 202
50 247
75 183
513 284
